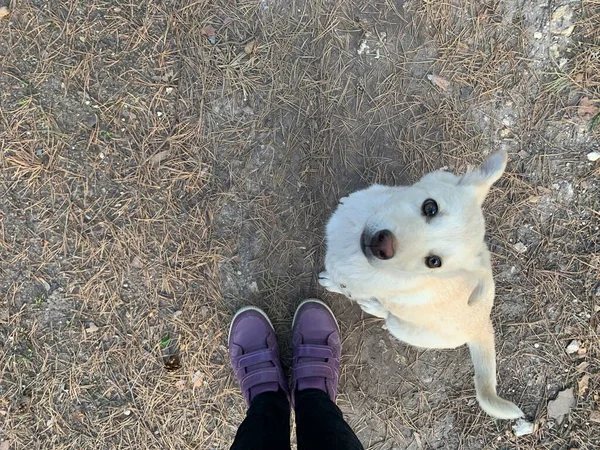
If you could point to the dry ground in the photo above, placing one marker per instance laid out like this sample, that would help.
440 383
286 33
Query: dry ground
152 182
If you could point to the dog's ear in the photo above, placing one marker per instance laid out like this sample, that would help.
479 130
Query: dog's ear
486 175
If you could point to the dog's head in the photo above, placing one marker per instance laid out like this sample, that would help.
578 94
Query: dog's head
434 225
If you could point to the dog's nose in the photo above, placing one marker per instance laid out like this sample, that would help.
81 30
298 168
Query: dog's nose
382 244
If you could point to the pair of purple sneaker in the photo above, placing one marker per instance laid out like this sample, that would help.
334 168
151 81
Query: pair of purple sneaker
316 349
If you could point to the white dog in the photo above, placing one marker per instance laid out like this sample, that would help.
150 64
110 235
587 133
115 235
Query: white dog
415 256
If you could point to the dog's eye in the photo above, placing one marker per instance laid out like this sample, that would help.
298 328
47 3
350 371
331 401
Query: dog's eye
433 262
430 207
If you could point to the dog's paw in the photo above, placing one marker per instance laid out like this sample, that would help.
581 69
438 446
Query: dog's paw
328 283
373 307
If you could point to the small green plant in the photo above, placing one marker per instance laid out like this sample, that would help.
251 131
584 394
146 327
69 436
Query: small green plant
595 121
39 300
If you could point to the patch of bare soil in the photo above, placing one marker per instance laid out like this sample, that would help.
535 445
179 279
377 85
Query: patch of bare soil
166 162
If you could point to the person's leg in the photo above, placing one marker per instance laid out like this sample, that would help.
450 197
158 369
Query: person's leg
254 356
317 349
267 424
320 424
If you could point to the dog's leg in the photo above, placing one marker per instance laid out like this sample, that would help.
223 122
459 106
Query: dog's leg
328 283
373 307
483 355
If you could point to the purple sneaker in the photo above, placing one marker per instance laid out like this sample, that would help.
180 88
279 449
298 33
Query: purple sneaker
316 349
254 354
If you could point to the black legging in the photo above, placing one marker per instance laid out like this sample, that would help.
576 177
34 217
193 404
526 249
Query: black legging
319 424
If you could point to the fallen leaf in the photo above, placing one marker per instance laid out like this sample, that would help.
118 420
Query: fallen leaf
583 384
5 445
4 11
210 32
581 367
156 159
164 342
561 22
440 82
91 328
561 406
78 416
587 109
251 47
180 385
198 379
595 416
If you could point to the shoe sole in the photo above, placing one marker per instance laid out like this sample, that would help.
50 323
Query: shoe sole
244 309
314 300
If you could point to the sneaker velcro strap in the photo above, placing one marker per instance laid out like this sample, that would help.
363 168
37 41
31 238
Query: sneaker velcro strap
252 379
311 369
314 351
257 357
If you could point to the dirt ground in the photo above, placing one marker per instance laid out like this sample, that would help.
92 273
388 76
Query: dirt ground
166 162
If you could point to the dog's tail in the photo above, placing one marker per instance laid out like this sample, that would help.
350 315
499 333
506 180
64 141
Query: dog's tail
483 355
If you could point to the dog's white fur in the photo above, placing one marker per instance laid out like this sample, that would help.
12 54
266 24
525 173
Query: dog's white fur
444 307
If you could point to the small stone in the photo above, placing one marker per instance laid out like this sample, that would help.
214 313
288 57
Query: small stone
593 156
537 35
91 328
559 408
169 90
127 412
176 314
520 247
254 287
523 428
204 311
136 262
573 347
